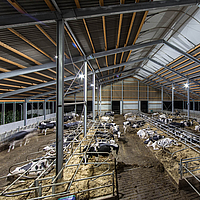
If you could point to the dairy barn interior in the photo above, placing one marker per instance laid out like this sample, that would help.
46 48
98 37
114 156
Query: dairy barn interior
99 99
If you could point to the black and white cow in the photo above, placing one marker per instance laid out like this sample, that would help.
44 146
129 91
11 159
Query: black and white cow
73 124
20 137
105 135
44 126
103 149
109 113
32 169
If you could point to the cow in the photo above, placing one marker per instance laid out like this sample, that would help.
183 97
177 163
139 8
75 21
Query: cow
142 134
73 124
180 125
32 169
104 135
126 124
19 137
165 142
127 115
103 149
44 126
109 113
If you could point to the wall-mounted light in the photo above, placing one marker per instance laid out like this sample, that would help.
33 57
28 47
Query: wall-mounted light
56 57
92 85
173 88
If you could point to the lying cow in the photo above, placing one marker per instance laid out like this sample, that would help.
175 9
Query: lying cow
73 124
103 149
104 135
165 142
109 113
180 125
44 126
32 169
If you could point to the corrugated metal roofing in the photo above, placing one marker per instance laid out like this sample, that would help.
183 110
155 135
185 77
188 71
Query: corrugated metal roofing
31 45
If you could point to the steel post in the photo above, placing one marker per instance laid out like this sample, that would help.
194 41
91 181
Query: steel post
162 99
49 112
147 98
14 112
100 97
44 109
172 98
75 108
193 105
98 100
3 113
85 98
53 110
188 98
138 95
59 97
38 108
31 109
93 97
25 112
111 95
122 97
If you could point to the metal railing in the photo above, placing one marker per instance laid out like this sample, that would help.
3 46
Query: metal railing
188 167
38 186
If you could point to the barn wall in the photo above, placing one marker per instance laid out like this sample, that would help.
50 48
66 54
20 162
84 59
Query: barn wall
130 96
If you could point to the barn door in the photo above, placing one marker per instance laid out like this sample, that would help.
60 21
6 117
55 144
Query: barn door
144 106
116 107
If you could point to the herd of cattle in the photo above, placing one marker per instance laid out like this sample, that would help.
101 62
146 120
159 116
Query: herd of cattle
103 144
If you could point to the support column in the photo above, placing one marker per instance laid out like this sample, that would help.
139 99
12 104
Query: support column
3 112
32 110
38 108
25 112
14 112
44 109
100 97
162 99
85 98
147 98
193 105
111 95
53 109
122 97
49 111
75 107
93 97
172 98
59 97
188 98
98 100
21 111
138 95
